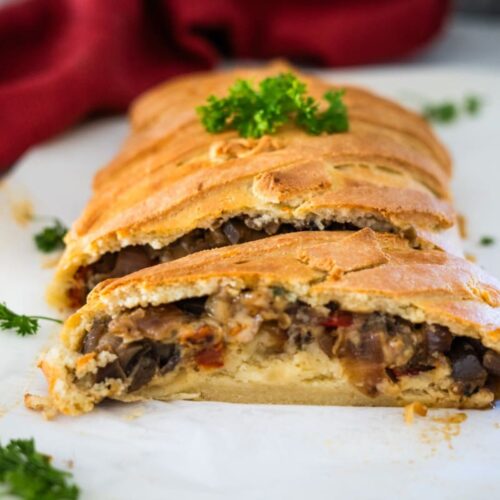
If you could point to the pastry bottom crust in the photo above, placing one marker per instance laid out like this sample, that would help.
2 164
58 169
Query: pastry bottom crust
219 387
308 378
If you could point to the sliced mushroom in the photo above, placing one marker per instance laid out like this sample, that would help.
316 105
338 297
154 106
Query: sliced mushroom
168 356
94 335
131 259
231 232
111 370
325 342
491 361
127 352
467 369
194 306
439 338
143 371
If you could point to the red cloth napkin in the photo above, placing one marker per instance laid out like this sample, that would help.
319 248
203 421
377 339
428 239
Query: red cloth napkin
62 59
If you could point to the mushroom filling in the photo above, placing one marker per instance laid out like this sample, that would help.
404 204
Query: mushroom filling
233 231
202 333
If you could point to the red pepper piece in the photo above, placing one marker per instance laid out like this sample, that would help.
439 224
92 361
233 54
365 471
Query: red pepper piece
211 357
203 334
338 319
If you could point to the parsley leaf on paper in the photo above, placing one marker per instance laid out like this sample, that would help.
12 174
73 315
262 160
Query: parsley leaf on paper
445 112
472 104
29 475
23 325
278 100
448 111
487 241
51 237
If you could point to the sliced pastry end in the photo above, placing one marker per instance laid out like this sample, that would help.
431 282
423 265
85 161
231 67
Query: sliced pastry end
342 318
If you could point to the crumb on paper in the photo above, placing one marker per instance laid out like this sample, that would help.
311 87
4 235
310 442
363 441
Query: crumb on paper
445 427
497 425
135 413
70 463
462 226
413 409
182 396
41 404
51 262
22 211
454 418
470 257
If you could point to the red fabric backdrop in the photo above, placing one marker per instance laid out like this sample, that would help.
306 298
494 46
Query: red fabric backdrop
62 59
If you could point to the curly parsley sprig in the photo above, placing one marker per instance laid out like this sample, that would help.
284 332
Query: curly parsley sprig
51 237
28 474
23 325
278 100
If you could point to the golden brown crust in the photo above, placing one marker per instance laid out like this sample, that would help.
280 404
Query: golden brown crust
363 271
171 176
340 264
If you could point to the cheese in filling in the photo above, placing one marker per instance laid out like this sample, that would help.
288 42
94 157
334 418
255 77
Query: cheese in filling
264 325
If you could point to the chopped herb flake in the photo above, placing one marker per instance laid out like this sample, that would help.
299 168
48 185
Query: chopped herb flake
51 238
448 111
472 105
487 241
445 112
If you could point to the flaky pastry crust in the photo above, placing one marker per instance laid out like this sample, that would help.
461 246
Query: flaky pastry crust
172 177
362 271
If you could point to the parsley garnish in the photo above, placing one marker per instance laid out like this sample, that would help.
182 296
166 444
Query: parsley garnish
23 325
487 241
472 105
278 100
444 112
52 237
29 475
448 111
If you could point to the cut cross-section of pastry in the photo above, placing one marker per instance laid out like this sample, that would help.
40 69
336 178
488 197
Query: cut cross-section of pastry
345 318
175 189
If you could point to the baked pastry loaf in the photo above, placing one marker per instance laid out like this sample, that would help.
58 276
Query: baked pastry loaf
345 318
175 189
